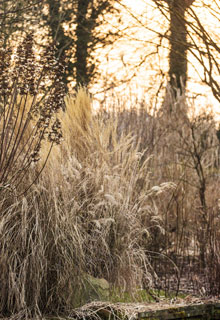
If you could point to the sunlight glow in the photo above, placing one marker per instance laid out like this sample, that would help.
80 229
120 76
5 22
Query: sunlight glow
138 5
141 56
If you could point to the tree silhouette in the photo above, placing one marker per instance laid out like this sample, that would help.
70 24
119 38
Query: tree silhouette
78 44
54 19
178 42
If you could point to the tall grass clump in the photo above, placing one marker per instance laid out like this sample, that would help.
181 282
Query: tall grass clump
185 150
121 189
182 146
103 183
90 213
31 96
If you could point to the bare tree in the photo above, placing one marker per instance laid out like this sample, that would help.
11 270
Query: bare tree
178 42
55 18
192 37
205 48
79 42
177 39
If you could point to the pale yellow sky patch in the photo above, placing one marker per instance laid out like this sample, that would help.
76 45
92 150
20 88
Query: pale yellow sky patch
136 5
119 61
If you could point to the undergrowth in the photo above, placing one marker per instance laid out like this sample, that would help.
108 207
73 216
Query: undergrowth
121 189
89 213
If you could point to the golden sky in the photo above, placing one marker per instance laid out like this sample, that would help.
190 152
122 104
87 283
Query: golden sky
120 61
136 5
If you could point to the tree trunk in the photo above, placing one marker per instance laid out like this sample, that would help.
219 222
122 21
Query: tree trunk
177 54
178 45
178 42
62 41
83 35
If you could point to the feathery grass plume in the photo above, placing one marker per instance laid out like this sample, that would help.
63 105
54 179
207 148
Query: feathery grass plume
177 142
85 215
106 192
183 148
117 169
76 121
31 96
108 212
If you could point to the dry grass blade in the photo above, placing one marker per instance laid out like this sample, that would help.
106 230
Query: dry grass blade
107 208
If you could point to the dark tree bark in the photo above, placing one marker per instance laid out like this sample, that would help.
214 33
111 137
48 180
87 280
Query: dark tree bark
62 41
87 19
83 38
79 45
178 42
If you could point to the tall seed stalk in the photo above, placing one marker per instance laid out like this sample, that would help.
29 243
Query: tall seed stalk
31 94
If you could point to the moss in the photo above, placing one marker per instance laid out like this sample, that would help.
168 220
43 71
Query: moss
141 296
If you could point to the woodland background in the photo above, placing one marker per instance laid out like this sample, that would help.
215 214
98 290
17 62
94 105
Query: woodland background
109 151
